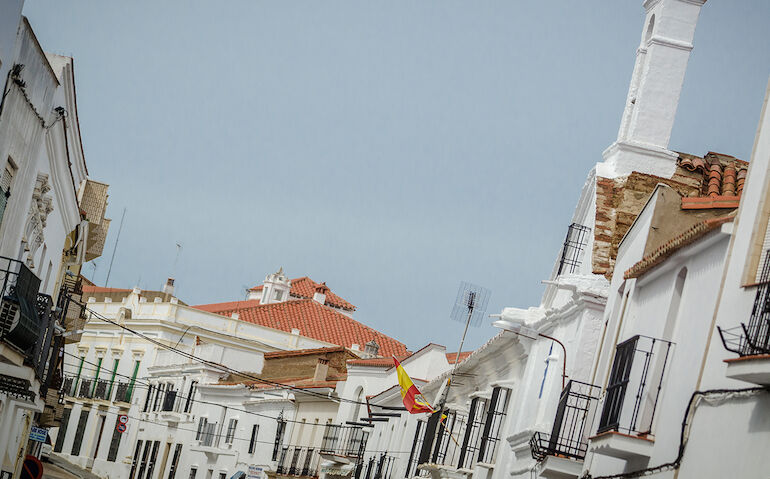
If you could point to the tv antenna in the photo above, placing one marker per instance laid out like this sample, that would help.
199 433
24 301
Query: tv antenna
470 307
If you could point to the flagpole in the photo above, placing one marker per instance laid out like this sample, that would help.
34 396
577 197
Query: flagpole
471 305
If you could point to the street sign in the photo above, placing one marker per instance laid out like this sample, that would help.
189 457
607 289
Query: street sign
38 434
122 418
121 428
256 472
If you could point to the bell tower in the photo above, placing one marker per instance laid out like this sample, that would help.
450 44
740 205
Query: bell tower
276 288
653 96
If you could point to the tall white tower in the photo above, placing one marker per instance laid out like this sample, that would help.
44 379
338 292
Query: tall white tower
653 96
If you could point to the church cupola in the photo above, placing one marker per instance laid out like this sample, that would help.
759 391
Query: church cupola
275 288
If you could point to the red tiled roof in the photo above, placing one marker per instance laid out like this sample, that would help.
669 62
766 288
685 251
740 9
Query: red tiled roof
668 248
313 320
723 179
450 357
305 287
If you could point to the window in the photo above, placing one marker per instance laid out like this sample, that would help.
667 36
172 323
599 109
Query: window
419 437
153 458
222 475
278 295
231 430
253 440
143 462
148 399
158 395
79 432
572 251
135 460
62 430
193 473
279 431
201 425
492 426
189 402
470 447
174 461
115 443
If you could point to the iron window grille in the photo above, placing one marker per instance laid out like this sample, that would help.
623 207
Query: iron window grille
753 339
493 424
569 434
62 430
639 366
472 437
377 467
174 461
153 459
112 454
135 460
279 432
419 438
189 401
347 441
446 449
123 392
231 426
253 440
572 250
81 429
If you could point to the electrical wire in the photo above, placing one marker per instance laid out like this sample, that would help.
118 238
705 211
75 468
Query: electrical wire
148 421
227 369
148 385
683 435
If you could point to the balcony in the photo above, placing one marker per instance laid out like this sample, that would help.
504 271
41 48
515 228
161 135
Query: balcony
751 342
628 412
298 461
72 314
97 389
562 451
123 392
344 442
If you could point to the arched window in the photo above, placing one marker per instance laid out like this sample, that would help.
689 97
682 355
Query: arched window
357 407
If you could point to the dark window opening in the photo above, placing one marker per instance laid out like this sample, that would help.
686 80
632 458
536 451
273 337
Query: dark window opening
572 251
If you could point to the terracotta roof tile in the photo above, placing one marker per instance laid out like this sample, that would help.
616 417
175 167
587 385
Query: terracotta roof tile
450 357
688 237
723 175
313 320
375 362
305 287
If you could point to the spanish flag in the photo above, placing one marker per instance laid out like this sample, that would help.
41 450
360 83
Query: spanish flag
414 401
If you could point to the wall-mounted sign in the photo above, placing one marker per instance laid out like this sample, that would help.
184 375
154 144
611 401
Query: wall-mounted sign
17 387
38 434
256 472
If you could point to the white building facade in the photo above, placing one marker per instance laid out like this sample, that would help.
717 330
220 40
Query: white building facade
51 222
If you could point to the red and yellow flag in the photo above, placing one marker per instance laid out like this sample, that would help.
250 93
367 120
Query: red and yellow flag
414 401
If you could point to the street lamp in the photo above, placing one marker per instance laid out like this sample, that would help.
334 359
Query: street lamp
518 328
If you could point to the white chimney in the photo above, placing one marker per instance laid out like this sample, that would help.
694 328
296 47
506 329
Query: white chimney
320 293
168 288
235 315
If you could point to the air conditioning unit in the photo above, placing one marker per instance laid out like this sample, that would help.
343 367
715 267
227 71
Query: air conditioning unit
16 327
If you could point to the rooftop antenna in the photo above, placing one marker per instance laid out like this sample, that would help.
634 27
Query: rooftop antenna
176 258
470 307
120 228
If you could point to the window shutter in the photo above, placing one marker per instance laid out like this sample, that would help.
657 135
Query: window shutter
763 255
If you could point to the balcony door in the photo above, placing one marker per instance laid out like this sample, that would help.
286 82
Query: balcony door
616 389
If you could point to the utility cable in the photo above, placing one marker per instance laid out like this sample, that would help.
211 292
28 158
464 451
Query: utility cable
684 433
227 369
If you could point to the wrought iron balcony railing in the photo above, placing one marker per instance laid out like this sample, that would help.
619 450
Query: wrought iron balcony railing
298 461
639 368
347 441
569 434
753 339
123 392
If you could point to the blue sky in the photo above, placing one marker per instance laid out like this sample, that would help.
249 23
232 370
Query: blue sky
391 149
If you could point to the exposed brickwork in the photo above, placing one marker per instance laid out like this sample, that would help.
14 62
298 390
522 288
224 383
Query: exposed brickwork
619 201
